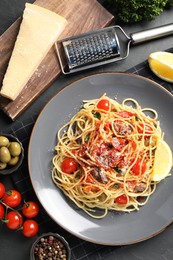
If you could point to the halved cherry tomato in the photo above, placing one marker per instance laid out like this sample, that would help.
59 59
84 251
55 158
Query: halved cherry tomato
2 211
144 129
125 114
12 198
139 167
2 190
122 199
133 144
91 188
69 165
30 228
103 104
89 179
15 220
30 209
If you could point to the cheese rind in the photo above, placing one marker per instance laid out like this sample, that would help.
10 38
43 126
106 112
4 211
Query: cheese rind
39 30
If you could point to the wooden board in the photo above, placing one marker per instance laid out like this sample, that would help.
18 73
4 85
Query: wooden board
82 16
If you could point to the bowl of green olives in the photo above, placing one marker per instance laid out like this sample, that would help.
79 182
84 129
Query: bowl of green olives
11 153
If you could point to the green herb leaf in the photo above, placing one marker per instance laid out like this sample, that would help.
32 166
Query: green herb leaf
116 186
97 115
86 139
117 169
110 146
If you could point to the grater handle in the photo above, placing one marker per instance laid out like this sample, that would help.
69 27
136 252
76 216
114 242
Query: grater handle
152 34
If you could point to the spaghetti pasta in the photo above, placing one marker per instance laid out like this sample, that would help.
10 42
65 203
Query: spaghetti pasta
105 154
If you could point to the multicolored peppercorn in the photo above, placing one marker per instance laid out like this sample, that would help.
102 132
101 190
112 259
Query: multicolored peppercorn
50 248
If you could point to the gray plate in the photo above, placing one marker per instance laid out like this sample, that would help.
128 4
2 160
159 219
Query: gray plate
114 229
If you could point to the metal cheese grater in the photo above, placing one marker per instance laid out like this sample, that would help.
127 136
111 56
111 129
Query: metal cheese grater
103 46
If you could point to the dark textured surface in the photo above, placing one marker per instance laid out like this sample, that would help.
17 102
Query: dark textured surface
13 245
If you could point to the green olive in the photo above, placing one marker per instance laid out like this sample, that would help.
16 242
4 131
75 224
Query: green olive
4 155
2 165
14 148
13 161
4 141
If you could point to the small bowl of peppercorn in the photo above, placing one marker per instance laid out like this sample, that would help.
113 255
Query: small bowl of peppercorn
50 246
11 153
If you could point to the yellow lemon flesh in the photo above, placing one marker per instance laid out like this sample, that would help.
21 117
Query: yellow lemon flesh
161 63
162 162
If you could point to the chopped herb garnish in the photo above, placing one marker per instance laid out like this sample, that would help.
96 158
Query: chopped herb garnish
116 186
136 118
86 139
110 146
117 169
97 115
153 152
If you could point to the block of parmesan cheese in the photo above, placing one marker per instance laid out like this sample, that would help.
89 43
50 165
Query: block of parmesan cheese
39 29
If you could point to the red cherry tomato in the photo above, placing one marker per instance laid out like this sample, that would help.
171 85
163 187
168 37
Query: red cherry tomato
15 220
133 144
69 165
2 211
30 228
122 199
139 167
103 104
125 114
2 190
144 129
30 209
12 198
89 179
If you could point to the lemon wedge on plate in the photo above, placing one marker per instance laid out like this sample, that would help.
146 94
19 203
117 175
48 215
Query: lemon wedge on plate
161 64
162 162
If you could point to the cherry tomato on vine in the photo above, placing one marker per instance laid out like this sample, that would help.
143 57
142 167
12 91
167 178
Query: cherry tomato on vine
30 209
30 228
139 167
69 165
12 198
104 104
2 190
2 211
14 219
122 199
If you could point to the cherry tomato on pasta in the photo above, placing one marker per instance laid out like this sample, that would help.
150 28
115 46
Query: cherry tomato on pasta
104 104
144 129
89 179
122 199
2 190
12 198
30 228
2 211
14 219
69 165
133 144
125 114
139 167
30 209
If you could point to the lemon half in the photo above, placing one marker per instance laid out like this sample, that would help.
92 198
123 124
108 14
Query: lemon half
161 63
162 162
